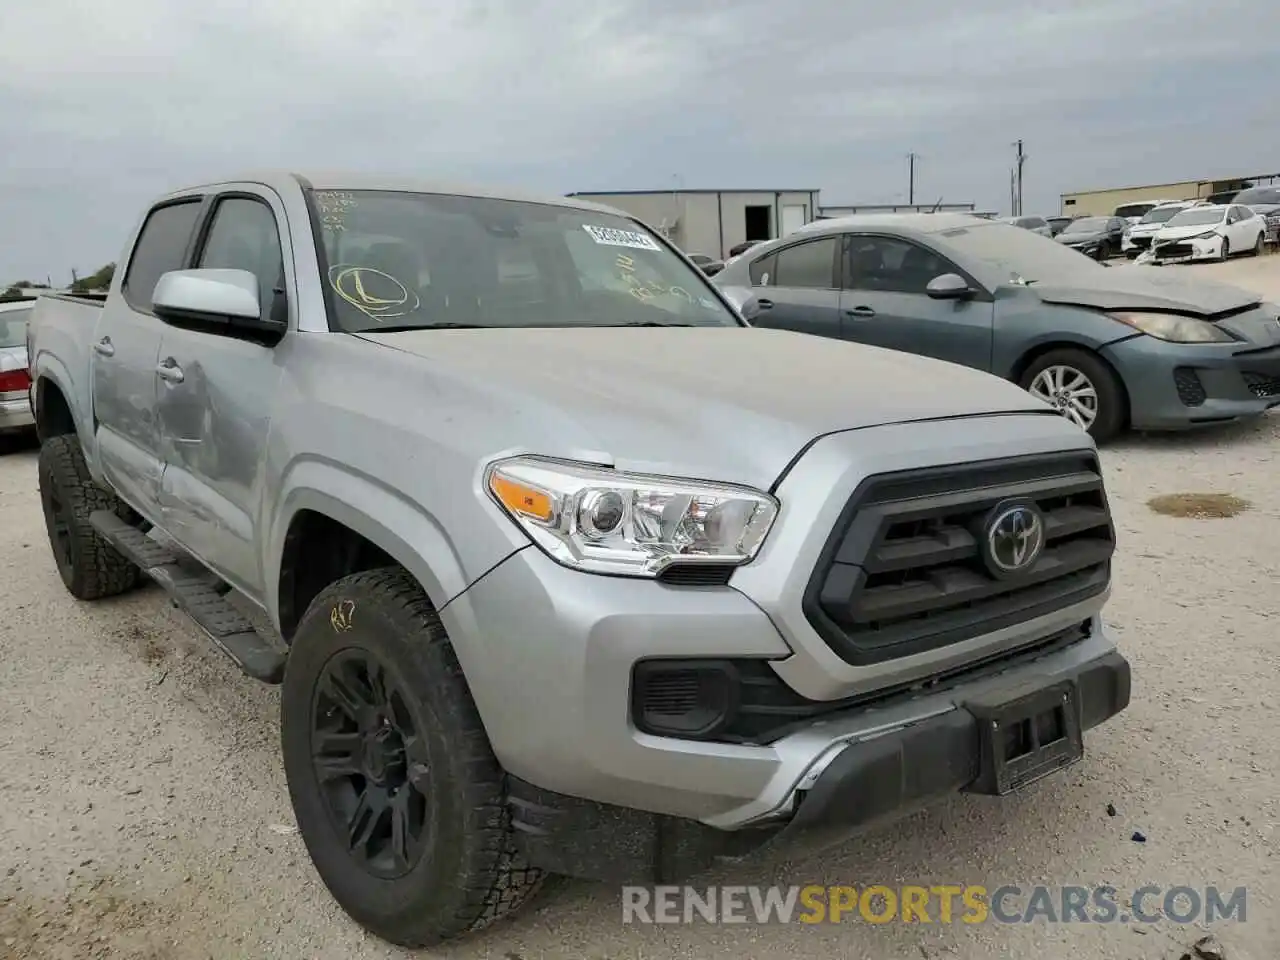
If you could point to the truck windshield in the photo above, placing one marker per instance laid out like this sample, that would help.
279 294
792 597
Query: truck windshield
406 260
13 327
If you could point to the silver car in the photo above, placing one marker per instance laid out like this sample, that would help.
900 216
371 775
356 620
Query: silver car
15 407
1035 224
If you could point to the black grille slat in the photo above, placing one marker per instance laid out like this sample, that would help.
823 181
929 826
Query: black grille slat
903 571
1262 385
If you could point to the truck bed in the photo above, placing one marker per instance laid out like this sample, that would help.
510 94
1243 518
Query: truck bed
62 326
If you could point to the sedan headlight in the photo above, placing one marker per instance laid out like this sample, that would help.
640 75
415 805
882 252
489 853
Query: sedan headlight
1174 328
603 521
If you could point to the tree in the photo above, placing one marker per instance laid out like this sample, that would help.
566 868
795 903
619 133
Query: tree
98 280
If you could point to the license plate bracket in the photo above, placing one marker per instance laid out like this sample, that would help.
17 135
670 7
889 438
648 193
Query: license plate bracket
1025 736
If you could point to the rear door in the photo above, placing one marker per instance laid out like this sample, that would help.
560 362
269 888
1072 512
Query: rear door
217 393
797 287
884 303
126 349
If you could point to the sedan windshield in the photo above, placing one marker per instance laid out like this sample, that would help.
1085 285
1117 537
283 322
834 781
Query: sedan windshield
415 260
1017 255
1198 217
1133 210
1161 214
1086 225
13 327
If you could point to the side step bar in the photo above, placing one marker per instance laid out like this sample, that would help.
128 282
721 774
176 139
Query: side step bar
200 597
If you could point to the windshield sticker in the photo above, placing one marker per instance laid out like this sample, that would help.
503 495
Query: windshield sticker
333 206
379 296
612 237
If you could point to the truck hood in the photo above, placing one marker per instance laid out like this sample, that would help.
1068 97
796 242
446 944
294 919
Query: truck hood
1144 288
729 403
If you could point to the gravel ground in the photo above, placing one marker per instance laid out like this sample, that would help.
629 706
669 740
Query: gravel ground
143 811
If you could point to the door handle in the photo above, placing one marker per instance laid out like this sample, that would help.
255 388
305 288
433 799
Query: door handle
764 304
169 370
860 312
104 348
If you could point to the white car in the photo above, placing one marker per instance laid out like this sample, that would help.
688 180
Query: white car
1208 232
15 408
1138 236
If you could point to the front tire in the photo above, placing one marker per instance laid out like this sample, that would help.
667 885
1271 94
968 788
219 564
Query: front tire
399 798
89 566
1225 255
1082 387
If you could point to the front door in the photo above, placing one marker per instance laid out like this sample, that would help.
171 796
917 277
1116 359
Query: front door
883 303
796 288
124 353
216 396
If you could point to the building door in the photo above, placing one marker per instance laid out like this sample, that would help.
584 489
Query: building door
793 217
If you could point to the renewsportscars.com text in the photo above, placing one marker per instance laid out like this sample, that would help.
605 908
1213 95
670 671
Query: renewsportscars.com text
970 904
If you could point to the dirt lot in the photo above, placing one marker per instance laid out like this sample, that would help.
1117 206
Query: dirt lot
143 811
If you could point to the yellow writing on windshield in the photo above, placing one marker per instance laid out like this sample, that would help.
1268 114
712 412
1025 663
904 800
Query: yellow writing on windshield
376 294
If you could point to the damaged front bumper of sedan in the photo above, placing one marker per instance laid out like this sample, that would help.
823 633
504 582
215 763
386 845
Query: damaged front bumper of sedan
1206 246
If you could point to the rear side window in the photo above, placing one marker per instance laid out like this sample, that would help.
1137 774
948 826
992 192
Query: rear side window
160 248
808 265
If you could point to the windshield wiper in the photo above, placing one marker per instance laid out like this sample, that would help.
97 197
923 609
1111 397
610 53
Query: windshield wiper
644 323
410 327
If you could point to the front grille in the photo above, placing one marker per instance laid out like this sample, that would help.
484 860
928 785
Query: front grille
1175 250
1262 385
1190 389
1140 242
905 569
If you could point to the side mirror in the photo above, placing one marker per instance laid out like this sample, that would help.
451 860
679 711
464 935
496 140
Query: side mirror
949 286
221 299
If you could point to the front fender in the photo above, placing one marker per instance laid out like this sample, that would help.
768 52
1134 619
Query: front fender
1023 331
384 516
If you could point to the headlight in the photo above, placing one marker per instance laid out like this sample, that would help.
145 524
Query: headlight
602 521
1173 328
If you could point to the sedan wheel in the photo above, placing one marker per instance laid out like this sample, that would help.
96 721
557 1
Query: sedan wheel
1081 386
1257 245
1068 390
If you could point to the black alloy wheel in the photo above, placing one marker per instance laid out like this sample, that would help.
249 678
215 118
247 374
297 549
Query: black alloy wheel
370 762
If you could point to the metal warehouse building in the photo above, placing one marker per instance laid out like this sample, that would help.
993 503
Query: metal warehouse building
711 221
1102 203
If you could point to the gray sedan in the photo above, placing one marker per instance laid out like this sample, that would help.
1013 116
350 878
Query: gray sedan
1109 347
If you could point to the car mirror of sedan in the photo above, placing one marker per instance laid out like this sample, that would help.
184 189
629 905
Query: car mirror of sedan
949 286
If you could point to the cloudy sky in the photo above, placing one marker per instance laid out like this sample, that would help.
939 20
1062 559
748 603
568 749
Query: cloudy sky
108 104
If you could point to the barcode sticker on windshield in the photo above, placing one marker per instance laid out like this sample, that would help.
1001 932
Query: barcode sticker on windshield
620 238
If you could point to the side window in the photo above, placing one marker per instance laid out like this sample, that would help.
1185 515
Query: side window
161 245
763 272
809 265
244 237
890 265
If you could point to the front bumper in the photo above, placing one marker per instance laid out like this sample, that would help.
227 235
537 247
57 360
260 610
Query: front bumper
1177 386
549 652
15 413
1186 251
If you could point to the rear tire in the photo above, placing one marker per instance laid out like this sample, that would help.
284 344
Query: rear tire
1087 374
1259 244
89 566
399 798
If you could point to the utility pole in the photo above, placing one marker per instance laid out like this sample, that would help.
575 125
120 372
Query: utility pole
911 179
1020 160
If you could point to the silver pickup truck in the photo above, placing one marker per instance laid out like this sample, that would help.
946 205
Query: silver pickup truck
570 570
